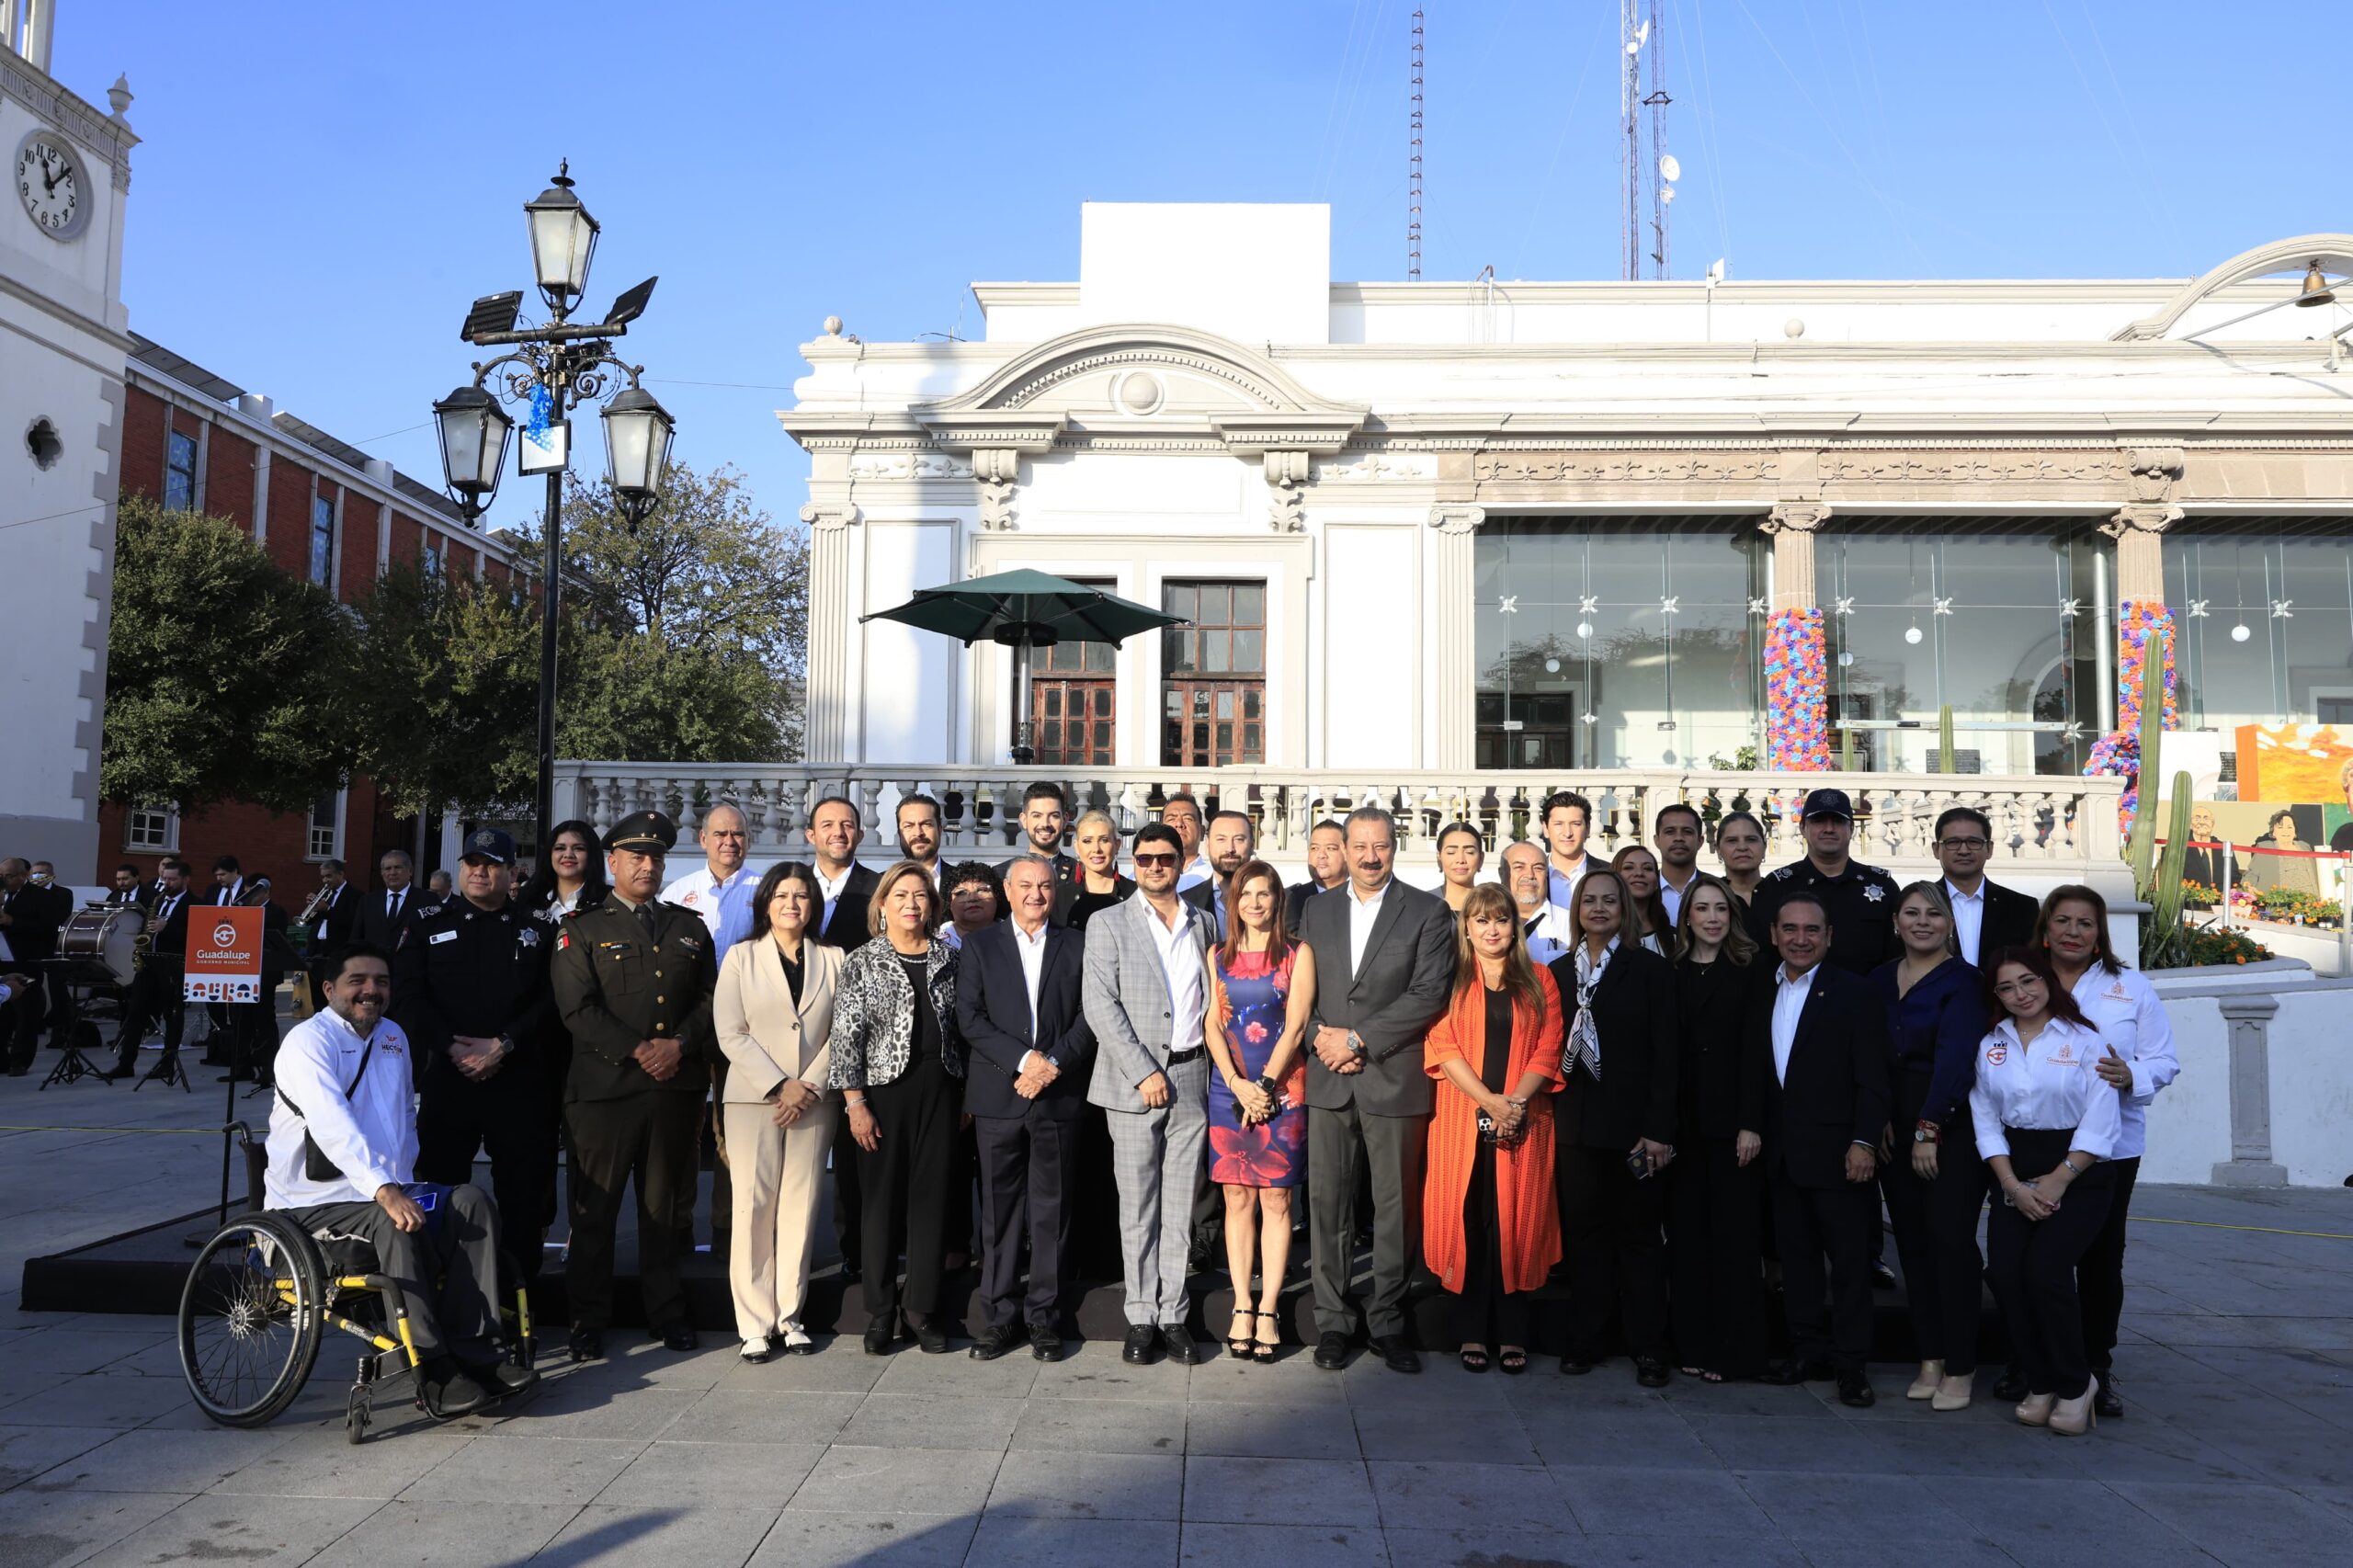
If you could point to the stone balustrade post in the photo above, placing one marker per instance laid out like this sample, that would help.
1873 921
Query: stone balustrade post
2246 1017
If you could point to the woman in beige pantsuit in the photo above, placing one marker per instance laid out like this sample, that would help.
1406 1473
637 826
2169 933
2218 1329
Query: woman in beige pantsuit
774 1011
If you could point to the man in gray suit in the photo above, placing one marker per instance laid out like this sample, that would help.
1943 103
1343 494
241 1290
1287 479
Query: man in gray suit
1146 997
1384 967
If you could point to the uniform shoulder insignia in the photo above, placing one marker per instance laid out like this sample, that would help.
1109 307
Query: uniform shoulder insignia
1782 875
562 941
430 910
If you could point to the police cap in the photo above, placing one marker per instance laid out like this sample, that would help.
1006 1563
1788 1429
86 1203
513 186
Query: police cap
490 843
1830 804
647 833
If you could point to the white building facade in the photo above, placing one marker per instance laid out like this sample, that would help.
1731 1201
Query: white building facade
1576 526
63 336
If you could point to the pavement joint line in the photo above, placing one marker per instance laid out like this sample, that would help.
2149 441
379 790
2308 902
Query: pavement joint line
173 1132
2217 1225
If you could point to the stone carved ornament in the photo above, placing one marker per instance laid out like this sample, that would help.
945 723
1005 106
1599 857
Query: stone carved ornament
1601 467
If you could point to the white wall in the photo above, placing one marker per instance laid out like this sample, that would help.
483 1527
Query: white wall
909 692
1370 661
1257 272
2311 1051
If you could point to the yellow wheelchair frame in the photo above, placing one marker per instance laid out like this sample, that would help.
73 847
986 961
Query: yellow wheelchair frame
254 1311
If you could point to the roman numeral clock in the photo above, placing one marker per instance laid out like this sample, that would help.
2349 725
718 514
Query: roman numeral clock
52 184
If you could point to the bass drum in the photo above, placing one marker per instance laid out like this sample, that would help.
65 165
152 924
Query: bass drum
106 935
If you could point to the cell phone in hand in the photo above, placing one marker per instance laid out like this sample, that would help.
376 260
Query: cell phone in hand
1638 1163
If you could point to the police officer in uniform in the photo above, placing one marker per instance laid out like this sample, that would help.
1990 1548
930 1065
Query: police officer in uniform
633 979
470 988
1860 899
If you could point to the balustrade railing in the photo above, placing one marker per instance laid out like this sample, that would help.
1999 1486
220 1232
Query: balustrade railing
2045 825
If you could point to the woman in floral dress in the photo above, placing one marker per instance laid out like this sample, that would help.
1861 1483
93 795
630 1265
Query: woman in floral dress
1261 986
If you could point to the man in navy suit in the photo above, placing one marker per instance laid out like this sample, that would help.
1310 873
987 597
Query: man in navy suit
1816 1089
1019 1006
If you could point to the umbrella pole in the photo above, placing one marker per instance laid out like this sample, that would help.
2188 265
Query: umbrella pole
1024 752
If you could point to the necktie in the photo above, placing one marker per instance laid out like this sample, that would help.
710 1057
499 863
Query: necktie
392 906
645 921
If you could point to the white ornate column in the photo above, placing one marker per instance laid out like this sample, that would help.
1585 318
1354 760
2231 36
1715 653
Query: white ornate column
1456 625
832 623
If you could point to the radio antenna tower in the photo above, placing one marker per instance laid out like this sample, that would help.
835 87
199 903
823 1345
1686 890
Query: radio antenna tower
1413 157
1650 172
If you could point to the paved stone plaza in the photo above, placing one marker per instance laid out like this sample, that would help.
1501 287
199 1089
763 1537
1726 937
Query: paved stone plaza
2238 1447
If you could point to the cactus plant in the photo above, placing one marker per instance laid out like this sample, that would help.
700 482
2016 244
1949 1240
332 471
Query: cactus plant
2165 941
2142 852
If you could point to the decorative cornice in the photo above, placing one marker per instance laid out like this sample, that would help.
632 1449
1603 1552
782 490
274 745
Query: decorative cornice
1022 380
109 137
907 462
1555 467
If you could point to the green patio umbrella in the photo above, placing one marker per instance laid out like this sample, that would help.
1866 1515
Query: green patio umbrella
1025 610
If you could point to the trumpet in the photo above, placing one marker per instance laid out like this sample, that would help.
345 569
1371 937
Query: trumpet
311 910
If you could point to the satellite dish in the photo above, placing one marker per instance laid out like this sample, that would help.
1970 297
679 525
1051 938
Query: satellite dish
1641 36
1670 166
1666 193
1716 270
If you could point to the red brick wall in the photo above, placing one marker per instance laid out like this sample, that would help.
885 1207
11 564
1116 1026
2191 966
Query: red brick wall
229 478
143 442
355 569
408 540
290 518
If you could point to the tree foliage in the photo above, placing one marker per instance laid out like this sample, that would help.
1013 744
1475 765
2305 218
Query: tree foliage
225 675
449 709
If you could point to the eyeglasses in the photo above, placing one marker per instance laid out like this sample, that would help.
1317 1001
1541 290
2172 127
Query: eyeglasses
1964 843
1154 860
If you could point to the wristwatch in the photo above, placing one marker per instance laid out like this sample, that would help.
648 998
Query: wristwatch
1355 1042
1926 1133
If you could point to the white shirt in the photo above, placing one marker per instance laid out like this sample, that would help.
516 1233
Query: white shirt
725 906
1547 931
1181 963
1362 913
830 890
2124 1008
1968 918
1672 896
373 1137
397 903
1031 951
2049 1084
1789 993
333 898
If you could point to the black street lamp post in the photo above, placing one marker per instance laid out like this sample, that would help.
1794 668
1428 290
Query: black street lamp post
553 369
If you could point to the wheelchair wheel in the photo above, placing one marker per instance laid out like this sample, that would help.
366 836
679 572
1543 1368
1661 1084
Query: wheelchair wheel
250 1319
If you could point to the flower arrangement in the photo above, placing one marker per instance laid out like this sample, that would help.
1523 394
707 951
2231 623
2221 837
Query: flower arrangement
2117 753
1797 692
2293 906
2212 945
2198 895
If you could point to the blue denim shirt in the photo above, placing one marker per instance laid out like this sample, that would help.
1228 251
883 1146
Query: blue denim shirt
1937 1026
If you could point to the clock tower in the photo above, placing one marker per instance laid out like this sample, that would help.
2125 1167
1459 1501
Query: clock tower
63 339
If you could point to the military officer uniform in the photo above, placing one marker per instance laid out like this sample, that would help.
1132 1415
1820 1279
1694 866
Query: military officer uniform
463 970
1860 899
625 974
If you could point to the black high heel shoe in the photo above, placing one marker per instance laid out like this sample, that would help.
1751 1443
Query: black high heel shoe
1263 1350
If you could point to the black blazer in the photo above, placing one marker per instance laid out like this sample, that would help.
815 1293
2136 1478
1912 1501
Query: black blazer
849 930
2009 920
1067 894
993 1011
1295 899
340 920
1836 1092
1203 897
34 916
170 937
1711 1013
1633 1019
370 923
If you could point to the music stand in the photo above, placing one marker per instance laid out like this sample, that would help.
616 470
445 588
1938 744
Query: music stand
74 1066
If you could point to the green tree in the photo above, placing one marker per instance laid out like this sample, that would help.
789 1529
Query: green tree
449 708
226 678
685 637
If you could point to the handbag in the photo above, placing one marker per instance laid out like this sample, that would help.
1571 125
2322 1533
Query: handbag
316 1166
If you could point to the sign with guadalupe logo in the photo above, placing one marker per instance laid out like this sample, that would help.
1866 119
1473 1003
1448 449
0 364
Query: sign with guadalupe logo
224 956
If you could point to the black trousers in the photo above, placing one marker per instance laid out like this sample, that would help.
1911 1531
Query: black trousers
1026 1166
1616 1259
1486 1313
446 1275
1715 1257
849 1207
904 1185
1830 1317
2032 1264
153 997
506 1116
1093 1201
1936 1233
2099 1278
25 1014
647 1139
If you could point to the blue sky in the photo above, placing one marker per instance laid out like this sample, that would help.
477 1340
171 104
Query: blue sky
322 189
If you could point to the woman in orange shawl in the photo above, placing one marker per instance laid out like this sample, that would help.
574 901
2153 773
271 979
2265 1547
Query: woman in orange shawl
1490 1231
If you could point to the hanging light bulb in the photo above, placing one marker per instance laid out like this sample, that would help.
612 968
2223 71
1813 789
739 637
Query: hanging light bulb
1552 667
1845 659
1584 629
2241 632
1912 635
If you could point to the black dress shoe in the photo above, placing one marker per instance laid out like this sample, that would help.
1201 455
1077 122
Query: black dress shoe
994 1342
1395 1354
1650 1372
1045 1343
930 1338
2106 1404
1331 1351
1789 1374
2010 1387
1182 1347
678 1336
502 1378
1577 1366
586 1345
451 1393
880 1332
1856 1390
1137 1351
115 1075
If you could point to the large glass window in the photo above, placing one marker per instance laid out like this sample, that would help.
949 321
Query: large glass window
179 472
1213 690
1619 643
2012 626
2264 622
321 540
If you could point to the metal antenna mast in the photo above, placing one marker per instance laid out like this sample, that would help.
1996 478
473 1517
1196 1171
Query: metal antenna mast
1649 172
1413 157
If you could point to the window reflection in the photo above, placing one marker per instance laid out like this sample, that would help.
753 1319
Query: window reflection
1619 643
2265 624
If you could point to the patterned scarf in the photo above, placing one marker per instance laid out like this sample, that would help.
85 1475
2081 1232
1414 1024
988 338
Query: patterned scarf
1584 1045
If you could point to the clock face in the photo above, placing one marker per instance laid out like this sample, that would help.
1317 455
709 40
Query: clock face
49 182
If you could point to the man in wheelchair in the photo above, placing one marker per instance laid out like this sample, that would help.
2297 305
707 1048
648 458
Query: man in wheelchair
342 1148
